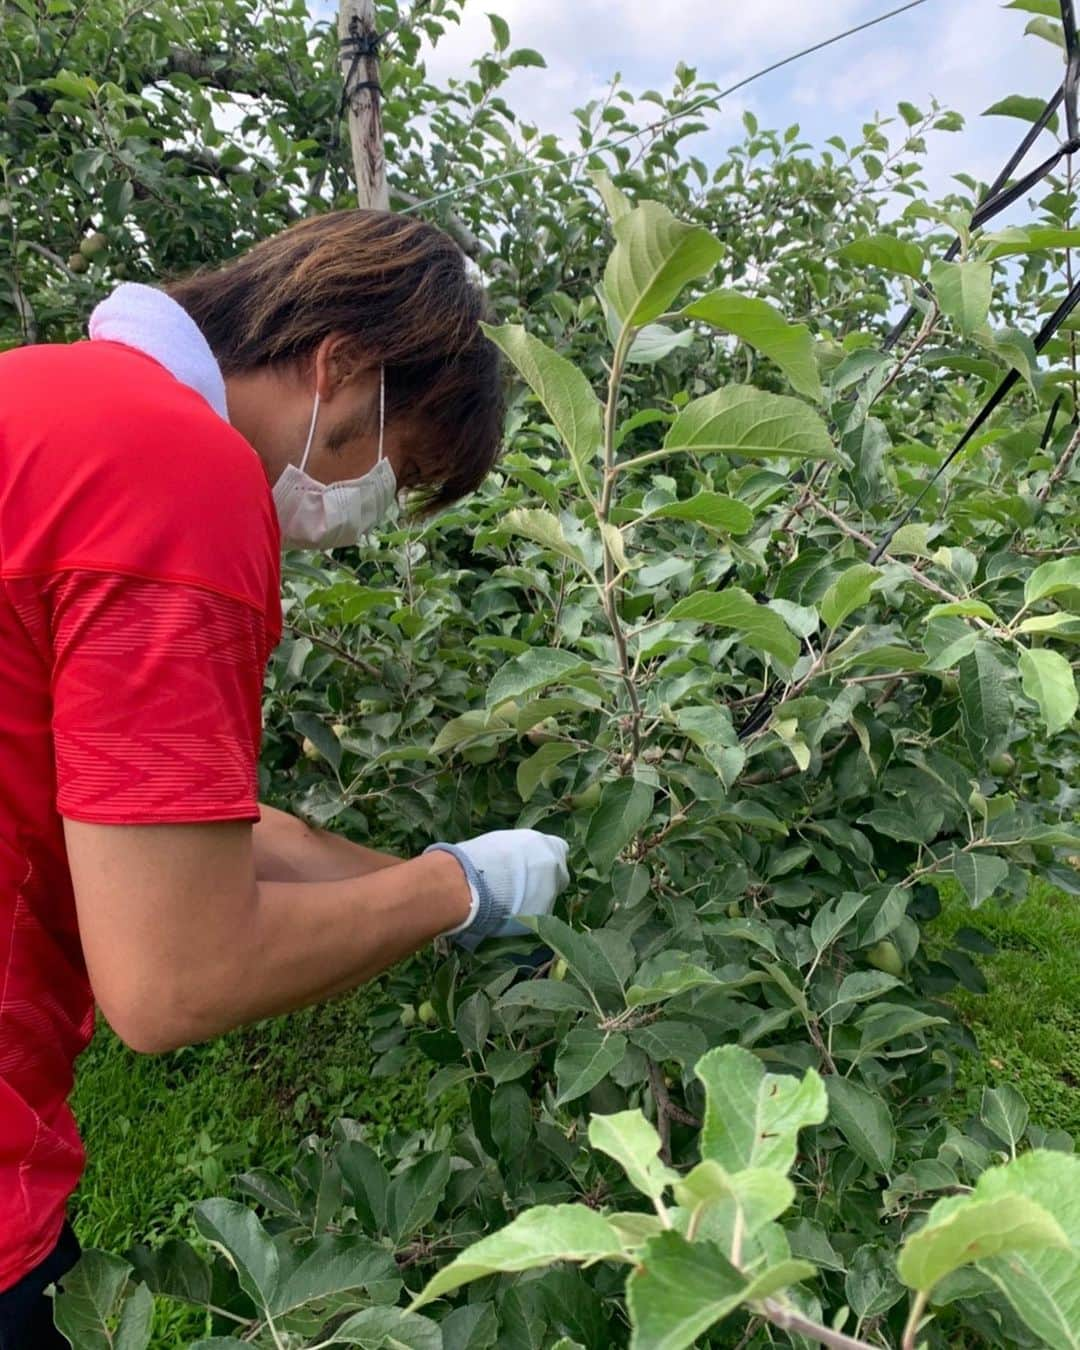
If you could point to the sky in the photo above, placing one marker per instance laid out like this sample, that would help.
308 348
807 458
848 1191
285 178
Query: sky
967 53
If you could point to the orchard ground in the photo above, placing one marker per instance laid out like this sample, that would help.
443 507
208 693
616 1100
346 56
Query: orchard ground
163 1132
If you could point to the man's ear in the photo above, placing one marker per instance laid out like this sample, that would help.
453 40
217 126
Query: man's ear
338 362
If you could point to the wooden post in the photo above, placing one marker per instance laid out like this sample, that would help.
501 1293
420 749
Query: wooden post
360 67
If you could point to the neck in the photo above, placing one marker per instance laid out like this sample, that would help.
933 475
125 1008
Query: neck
258 408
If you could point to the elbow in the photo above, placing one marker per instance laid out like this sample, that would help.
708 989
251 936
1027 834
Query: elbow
155 1020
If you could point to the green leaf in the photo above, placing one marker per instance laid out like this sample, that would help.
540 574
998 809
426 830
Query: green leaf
755 321
886 252
1050 578
635 1145
468 727
389 1329
327 1265
136 1320
655 341
871 1287
544 529
1026 109
984 699
531 771
1048 680
971 1231
532 670
863 1118
671 1039
964 291
414 1195
753 1118
863 985
1048 30
1005 1113
740 420
655 983
625 806
1050 8
654 257
550 995
526 56
248 1246
1029 239
758 625
849 592
585 1056
759 1194
615 200
710 508
91 1296
1042 1284
500 31
583 954
979 873
678 1290
565 393
539 1236
511 1123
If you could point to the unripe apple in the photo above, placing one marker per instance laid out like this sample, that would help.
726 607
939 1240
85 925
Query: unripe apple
310 749
558 970
1003 765
587 798
547 730
427 1014
77 263
94 244
884 956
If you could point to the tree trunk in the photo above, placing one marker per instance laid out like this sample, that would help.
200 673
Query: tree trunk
360 70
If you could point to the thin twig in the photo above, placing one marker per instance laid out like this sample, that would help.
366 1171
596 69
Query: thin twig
1062 468
789 1319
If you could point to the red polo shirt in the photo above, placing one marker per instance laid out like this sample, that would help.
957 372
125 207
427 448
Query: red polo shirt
139 601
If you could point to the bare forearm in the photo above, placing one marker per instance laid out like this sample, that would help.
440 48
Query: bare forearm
286 849
304 942
182 942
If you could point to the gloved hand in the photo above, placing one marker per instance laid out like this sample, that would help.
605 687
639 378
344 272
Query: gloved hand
510 872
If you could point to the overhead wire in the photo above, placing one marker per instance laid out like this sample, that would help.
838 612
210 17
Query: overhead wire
706 101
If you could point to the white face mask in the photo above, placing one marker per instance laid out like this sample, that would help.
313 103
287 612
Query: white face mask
333 515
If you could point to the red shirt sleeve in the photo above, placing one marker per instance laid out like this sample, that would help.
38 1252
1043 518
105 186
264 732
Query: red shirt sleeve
156 700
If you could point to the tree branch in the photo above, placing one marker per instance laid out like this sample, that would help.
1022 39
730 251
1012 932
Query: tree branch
49 256
453 225
1062 468
205 162
788 1319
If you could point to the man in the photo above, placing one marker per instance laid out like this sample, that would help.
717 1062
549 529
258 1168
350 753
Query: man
148 479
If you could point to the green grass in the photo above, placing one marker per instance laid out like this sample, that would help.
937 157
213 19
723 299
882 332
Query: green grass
1028 1024
164 1132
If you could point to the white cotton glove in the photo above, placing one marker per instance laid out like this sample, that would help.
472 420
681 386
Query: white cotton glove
510 872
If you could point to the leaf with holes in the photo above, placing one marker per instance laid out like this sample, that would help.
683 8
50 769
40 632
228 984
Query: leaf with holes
753 1118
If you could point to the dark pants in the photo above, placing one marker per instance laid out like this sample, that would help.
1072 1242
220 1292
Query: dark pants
26 1315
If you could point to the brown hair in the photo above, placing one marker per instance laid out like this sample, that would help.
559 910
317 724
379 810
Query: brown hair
400 288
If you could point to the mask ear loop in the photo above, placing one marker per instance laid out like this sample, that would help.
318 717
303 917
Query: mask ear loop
382 410
311 431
